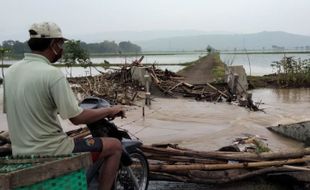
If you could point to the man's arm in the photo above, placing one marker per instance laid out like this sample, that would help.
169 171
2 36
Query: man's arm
68 108
92 115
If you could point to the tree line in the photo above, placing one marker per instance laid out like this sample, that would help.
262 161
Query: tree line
18 48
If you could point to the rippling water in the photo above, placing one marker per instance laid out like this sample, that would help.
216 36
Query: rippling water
208 126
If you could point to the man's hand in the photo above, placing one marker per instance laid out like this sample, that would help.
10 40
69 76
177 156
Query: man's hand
116 111
92 115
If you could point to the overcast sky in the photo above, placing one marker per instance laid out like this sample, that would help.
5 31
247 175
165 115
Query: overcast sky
82 17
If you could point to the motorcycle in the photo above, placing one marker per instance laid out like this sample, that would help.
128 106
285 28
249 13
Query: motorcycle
133 172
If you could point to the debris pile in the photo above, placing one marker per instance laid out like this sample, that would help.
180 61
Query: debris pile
116 87
172 84
173 163
121 87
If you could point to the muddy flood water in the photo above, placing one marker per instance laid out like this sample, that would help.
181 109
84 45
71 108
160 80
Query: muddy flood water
209 126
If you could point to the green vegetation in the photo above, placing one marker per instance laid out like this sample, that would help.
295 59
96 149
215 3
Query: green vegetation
218 70
266 52
261 146
74 54
292 72
111 47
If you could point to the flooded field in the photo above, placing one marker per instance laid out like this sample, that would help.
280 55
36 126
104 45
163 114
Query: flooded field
260 63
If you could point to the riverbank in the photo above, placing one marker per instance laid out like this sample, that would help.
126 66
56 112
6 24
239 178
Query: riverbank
272 81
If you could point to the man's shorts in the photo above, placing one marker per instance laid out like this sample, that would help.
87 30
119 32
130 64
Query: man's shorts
91 144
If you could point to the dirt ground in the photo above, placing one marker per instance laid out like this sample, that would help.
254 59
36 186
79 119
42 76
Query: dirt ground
200 72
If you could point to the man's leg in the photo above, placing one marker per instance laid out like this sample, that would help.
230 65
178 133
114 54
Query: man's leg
111 153
110 150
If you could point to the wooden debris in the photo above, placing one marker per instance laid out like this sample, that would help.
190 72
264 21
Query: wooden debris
111 86
172 163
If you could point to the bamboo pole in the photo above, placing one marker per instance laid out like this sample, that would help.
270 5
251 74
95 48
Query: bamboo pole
211 86
239 156
169 158
172 88
171 168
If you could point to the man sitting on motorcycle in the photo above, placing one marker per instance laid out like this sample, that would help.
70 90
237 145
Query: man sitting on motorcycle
36 92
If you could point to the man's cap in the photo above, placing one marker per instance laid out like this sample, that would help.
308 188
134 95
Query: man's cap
45 30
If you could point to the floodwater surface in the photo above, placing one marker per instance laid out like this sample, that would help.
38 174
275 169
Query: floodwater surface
209 126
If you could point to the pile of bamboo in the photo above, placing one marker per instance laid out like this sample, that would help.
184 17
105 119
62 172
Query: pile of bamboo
172 163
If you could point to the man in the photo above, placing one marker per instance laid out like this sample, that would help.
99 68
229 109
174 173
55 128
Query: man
36 91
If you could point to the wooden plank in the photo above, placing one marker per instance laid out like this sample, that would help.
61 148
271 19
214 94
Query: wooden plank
217 90
46 171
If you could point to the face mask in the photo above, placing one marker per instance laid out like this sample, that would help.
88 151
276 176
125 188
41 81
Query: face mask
57 54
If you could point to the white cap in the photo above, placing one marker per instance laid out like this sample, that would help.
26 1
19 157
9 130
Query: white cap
45 30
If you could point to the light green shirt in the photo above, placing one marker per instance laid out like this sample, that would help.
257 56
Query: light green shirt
35 92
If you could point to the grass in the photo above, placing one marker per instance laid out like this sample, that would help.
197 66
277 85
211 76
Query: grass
145 53
218 71
267 52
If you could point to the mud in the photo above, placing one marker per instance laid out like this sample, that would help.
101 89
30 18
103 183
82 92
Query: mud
201 71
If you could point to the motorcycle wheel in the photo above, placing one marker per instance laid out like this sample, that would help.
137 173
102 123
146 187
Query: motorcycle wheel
137 174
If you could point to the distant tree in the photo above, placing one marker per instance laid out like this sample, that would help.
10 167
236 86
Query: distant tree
129 47
210 49
75 54
103 47
16 47
3 52
275 47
